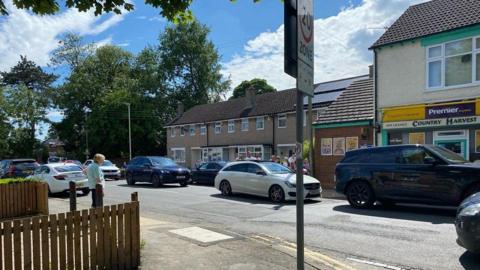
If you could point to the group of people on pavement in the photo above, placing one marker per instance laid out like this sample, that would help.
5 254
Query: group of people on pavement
291 162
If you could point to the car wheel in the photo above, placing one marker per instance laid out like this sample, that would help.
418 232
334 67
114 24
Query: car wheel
85 191
156 181
183 183
276 194
225 188
130 180
360 195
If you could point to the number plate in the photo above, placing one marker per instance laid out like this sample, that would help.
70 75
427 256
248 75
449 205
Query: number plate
181 177
315 192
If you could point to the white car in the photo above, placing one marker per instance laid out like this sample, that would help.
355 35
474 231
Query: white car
59 175
267 179
110 170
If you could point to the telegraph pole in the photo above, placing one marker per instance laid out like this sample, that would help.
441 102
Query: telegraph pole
129 132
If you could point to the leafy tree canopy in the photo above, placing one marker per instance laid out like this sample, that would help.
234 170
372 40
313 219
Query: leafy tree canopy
173 10
260 85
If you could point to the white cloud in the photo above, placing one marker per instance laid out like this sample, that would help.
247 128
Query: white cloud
341 45
22 33
158 19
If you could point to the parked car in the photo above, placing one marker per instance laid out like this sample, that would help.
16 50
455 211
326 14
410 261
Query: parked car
207 171
54 159
467 223
59 175
76 162
12 168
406 173
110 170
156 170
266 179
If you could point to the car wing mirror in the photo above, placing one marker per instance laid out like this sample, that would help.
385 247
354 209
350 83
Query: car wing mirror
430 161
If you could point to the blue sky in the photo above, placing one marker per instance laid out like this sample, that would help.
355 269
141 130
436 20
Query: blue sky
248 36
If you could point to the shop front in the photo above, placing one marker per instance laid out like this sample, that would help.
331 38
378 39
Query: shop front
453 125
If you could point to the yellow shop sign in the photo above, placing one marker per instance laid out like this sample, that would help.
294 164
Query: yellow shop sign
404 113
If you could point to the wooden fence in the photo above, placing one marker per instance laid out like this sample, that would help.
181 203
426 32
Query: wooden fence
98 238
23 199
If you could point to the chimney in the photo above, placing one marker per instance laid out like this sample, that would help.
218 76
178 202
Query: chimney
370 71
180 109
250 95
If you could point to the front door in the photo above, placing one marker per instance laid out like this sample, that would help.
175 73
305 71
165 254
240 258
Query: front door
454 140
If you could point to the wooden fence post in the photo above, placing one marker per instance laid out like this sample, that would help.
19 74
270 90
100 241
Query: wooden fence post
42 198
73 196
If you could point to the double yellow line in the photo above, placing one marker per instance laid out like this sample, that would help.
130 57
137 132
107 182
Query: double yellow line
309 254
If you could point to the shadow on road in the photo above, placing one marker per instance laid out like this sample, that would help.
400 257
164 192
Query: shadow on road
150 186
470 261
66 195
414 213
251 199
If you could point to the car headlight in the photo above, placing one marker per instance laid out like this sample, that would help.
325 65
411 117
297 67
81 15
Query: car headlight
290 185
471 210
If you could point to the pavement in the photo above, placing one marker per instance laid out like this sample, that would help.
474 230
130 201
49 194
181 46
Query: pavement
196 228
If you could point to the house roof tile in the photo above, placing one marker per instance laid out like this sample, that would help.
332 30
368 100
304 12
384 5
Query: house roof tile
431 18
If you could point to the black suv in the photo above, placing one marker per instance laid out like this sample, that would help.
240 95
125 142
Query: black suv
12 168
156 170
406 173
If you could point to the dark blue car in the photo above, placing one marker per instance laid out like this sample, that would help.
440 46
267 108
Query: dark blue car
156 170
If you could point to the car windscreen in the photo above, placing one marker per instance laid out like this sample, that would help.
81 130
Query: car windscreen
107 163
68 168
162 162
276 168
448 155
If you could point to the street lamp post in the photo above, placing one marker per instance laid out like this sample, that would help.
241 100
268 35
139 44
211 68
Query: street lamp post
87 152
129 132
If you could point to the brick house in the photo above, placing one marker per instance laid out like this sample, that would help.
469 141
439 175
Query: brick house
428 77
261 125
345 125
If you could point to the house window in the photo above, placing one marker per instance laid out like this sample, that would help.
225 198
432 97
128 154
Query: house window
231 126
244 126
453 63
260 123
192 130
182 131
250 152
282 121
203 129
178 154
172 132
218 127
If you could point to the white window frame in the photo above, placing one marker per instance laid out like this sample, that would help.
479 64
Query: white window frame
182 131
174 154
203 129
191 130
231 126
281 117
172 132
219 126
474 52
260 119
243 122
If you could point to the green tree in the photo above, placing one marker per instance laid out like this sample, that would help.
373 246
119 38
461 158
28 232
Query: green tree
190 65
27 92
260 85
5 127
72 51
173 10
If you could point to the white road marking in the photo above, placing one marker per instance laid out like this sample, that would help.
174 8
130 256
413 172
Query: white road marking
386 266
201 235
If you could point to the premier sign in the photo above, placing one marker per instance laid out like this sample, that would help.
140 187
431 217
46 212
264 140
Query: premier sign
450 110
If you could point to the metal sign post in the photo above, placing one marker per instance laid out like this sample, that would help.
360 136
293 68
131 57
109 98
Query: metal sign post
299 21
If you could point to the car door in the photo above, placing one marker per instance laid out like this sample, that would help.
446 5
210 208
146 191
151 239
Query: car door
145 170
237 175
415 179
381 163
200 173
257 180
210 172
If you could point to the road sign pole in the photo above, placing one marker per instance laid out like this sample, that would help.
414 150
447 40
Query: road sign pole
299 183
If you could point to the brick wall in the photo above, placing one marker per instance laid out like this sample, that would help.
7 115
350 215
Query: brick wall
325 165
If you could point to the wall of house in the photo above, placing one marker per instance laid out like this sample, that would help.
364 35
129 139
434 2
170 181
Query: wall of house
187 141
239 137
401 77
325 164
